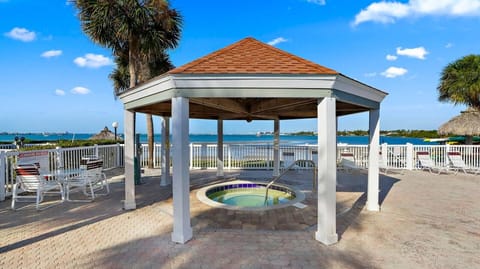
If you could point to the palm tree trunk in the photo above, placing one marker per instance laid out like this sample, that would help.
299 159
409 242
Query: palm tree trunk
143 74
150 139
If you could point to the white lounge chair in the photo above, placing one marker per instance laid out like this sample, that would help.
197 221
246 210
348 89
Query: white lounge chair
315 157
29 179
288 159
457 163
347 162
89 181
426 163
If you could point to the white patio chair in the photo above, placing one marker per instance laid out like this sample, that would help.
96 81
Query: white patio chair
29 179
457 163
89 181
426 163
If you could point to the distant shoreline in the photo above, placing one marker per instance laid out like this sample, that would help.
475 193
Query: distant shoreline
228 138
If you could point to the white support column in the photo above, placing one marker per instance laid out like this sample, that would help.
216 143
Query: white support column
409 165
2 175
327 172
220 148
373 169
129 125
182 230
118 157
165 153
276 147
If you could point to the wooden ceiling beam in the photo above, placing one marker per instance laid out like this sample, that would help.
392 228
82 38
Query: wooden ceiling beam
224 104
279 104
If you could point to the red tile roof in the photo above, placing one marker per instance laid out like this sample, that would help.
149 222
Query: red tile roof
250 56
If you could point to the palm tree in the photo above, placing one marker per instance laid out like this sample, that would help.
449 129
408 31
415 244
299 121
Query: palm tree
139 29
460 82
120 77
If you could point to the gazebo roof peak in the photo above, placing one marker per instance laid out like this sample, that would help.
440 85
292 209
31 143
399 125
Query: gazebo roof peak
250 56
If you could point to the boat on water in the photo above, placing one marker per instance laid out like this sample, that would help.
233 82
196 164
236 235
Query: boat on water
452 140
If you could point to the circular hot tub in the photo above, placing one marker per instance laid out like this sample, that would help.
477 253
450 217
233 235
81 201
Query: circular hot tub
249 195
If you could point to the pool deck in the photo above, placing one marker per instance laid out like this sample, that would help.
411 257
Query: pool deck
426 221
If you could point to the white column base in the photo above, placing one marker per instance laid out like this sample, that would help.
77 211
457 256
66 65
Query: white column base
182 237
129 205
327 240
373 206
163 182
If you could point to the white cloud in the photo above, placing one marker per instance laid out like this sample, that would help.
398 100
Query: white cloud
391 57
393 72
389 12
418 53
59 92
383 12
318 2
369 75
21 34
277 40
80 90
93 61
51 53
449 45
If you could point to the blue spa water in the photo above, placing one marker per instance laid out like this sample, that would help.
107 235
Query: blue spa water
254 197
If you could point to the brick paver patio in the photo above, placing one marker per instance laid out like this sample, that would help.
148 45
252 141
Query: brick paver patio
427 221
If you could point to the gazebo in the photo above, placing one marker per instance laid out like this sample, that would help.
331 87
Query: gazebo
250 80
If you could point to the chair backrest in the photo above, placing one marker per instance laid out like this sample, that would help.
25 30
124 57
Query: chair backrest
424 159
90 157
28 177
456 158
91 167
40 158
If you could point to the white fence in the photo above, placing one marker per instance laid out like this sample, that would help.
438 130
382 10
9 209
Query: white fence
260 156
238 156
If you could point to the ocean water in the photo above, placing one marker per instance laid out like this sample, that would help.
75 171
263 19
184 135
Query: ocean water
229 138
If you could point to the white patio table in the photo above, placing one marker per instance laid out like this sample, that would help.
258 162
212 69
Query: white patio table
63 175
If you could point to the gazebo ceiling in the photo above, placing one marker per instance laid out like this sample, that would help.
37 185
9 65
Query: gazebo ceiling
250 80
250 108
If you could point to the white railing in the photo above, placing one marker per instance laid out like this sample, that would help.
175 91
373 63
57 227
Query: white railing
8 146
238 156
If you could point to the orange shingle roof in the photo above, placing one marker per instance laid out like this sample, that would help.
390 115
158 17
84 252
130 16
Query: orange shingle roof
250 56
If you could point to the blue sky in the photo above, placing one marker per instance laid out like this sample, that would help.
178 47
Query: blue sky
54 79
